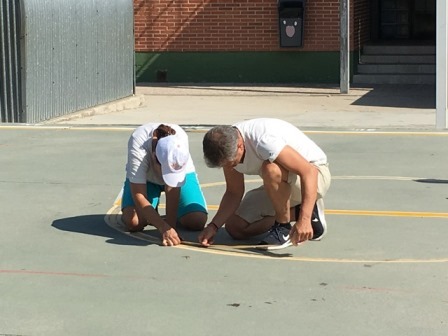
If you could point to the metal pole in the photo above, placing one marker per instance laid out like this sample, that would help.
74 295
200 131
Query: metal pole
345 46
441 65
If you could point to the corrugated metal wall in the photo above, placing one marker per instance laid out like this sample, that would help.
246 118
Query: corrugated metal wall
10 89
75 54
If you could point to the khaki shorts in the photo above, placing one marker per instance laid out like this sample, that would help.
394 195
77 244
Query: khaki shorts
256 203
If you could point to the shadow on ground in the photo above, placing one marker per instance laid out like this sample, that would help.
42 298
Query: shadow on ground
435 181
95 225
405 96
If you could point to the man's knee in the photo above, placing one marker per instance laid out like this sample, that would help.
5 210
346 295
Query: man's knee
273 173
270 171
236 228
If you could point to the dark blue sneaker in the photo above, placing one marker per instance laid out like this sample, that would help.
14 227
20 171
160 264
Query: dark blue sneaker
318 222
277 238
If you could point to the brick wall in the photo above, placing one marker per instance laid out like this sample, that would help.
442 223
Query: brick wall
322 25
361 23
231 25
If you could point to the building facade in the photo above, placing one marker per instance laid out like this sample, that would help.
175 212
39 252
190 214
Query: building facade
241 41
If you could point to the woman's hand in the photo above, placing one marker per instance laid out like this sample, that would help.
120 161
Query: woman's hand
170 237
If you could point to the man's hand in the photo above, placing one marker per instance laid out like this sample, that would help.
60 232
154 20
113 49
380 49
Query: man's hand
206 237
300 232
170 237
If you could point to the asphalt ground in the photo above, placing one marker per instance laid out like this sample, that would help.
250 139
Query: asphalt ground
382 269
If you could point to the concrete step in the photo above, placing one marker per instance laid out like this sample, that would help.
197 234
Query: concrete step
397 68
394 79
398 59
399 50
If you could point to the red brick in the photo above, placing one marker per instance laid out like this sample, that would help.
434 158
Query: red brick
216 25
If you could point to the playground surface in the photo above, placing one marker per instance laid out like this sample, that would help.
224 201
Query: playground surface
382 269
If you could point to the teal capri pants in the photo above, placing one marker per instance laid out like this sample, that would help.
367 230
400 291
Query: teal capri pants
191 197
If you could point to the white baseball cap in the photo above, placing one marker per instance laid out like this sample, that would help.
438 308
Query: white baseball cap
173 155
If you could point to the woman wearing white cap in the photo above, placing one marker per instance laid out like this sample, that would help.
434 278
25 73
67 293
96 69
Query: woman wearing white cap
159 160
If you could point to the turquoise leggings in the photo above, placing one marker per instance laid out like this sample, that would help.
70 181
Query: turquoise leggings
191 196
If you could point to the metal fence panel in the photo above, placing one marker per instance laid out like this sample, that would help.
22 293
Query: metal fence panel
76 54
10 84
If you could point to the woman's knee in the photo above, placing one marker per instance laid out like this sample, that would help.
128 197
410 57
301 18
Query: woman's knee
194 221
130 219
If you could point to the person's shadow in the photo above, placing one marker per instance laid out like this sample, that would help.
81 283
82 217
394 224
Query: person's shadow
95 225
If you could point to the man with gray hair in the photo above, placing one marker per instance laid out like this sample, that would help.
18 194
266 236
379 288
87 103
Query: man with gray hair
295 177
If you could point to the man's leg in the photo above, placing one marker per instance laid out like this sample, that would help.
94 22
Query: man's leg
257 213
275 181
318 221
276 184
238 228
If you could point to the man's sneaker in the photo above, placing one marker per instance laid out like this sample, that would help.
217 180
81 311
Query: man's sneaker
318 222
277 238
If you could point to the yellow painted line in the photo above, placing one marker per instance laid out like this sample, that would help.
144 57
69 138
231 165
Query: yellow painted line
387 178
391 213
66 127
375 132
388 213
417 214
216 184
234 251
341 177
288 257
319 260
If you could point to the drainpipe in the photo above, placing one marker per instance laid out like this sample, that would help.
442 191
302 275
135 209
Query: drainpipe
441 65
345 46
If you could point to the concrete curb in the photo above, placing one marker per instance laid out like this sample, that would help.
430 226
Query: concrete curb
127 103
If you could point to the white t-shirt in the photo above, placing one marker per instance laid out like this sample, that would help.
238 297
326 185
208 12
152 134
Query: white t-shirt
265 138
142 165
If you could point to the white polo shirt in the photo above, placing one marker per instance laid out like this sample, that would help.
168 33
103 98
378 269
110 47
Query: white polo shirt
265 138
